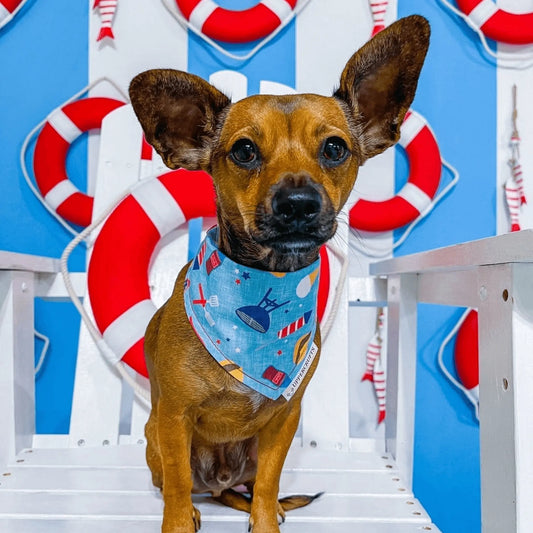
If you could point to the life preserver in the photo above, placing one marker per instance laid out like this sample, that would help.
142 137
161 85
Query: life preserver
466 356
118 270
497 24
63 126
7 10
236 26
417 194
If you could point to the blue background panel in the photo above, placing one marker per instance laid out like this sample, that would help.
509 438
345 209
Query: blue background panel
44 61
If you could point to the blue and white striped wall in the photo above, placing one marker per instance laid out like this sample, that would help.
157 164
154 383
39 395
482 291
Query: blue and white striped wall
49 52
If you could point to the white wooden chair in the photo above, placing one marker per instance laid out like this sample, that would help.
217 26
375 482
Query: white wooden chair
95 479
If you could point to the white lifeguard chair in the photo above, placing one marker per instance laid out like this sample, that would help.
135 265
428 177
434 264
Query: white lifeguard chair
95 478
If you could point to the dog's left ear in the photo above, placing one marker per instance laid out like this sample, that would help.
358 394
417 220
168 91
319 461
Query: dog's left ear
379 82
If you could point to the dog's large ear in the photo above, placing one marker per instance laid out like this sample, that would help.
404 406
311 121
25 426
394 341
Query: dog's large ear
379 82
179 114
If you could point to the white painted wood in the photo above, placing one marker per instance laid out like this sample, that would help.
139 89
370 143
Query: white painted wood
457 290
96 417
119 158
42 440
522 295
401 375
30 263
139 414
83 479
506 78
145 526
496 406
508 248
325 424
501 269
75 487
367 291
52 287
345 27
17 389
232 83
143 30
95 414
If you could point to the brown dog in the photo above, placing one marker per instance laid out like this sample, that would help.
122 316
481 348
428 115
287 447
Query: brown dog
282 167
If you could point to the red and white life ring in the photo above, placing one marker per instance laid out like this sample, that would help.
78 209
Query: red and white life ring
497 24
466 356
417 194
63 126
8 9
232 26
118 270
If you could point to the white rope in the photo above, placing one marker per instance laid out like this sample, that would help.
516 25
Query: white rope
369 252
445 371
507 60
176 13
44 350
105 350
327 321
31 135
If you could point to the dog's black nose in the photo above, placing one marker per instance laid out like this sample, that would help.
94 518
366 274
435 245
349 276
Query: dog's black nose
296 206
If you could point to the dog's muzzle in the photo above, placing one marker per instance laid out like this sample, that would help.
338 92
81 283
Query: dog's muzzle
298 216
296 208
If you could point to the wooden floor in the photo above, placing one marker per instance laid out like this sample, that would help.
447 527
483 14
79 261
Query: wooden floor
108 489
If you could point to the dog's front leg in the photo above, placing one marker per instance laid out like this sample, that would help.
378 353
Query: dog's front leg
274 441
175 436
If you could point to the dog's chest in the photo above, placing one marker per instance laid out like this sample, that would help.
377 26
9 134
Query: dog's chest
229 415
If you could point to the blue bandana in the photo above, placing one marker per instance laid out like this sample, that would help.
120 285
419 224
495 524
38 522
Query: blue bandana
258 325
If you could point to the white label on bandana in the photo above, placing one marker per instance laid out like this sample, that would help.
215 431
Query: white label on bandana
297 381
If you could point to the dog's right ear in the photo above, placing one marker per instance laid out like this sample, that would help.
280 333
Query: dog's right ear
179 113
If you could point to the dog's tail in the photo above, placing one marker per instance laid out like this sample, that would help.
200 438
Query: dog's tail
242 502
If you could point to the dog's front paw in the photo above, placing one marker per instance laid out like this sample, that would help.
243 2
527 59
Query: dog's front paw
281 514
196 518
256 525
182 524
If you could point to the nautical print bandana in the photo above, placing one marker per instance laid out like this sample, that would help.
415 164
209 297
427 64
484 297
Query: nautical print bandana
258 325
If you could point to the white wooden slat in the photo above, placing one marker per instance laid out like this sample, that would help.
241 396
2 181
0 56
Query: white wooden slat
83 479
126 456
154 526
139 506
76 479
52 286
28 262
89 456
514 247
325 424
95 417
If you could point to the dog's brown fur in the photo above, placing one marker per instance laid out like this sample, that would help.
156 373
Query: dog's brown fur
207 432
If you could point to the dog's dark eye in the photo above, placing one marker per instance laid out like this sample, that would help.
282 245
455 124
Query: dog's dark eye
335 151
244 152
